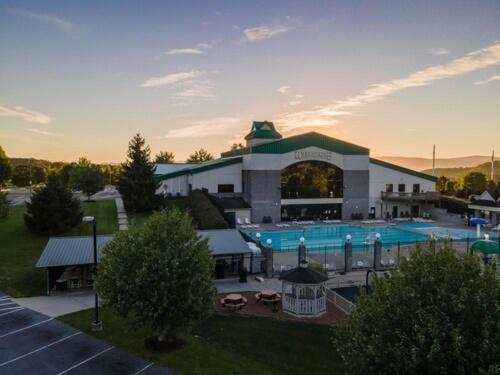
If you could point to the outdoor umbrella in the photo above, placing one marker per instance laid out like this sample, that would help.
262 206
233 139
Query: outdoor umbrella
486 247
478 221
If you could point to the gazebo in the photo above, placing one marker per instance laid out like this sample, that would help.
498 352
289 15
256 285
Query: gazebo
304 293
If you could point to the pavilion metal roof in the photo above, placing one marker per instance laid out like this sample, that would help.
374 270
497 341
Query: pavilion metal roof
71 251
225 241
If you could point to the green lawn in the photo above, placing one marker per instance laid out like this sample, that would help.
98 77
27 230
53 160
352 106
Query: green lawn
20 248
229 345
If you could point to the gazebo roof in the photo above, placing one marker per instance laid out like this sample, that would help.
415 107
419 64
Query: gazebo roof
304 275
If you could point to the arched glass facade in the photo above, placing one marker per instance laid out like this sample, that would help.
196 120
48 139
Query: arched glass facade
311 179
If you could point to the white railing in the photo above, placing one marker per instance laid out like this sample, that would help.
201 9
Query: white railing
340 302
304 306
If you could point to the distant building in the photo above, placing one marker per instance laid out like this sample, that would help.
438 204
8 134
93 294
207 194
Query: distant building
307 176
487 206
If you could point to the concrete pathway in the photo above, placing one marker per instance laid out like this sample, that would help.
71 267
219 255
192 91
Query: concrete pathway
121 214
233 285
59 304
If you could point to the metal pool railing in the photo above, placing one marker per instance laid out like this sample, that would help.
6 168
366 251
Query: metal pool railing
340 302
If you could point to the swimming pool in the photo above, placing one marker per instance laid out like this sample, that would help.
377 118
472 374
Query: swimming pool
333 236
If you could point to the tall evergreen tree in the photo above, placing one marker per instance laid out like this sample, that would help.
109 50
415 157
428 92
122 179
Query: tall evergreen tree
53 209
5 168
136 181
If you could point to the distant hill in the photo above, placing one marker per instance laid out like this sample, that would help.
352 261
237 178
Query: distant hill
421 164
459 173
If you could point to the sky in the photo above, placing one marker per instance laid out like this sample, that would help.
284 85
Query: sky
80 78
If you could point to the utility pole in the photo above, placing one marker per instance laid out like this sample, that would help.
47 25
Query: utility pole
433 160
492 165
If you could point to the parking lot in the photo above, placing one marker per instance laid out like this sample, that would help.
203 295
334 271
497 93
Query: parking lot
34 343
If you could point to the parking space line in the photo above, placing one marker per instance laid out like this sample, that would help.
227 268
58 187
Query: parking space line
39 349
141 370
2 298
7 303
9 308
10 312
25 328
88 359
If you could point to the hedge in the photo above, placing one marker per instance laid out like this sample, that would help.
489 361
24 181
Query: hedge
205 214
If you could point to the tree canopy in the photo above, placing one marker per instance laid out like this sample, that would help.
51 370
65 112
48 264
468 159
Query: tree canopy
86 177
4 206
53 209
159 274
200 156
5 168
475 183
22 175
136 182
164 157
237 146
438 314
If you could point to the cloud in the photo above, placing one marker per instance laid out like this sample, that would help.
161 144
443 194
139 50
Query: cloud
326 115
299 96
196 89
171 79
254 34
185 51
59 23
41 132
25 114
491 79
205 128
438 51
205 45
283 89
295 102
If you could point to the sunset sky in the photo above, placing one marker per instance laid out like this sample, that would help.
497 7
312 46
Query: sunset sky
79 78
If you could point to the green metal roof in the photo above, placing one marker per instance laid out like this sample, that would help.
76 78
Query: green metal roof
263 130
299 142
403 169
198 168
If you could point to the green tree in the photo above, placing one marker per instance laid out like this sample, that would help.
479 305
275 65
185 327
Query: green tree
438 314
200 156
86 177
4 206
22 175
5 168
474 183
164 157
53 209
441 184
159 275
237 146
136 182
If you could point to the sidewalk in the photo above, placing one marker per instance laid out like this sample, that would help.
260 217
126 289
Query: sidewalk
59 304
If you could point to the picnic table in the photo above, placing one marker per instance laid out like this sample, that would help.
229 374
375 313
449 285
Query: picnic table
269 296
233 302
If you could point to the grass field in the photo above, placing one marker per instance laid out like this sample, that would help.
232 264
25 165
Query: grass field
20 248
229 345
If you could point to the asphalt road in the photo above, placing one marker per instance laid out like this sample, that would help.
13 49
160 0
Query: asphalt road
34 343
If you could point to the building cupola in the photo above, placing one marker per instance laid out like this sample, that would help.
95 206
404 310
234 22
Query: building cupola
262 132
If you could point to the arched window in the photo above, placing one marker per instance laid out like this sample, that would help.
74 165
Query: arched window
311 179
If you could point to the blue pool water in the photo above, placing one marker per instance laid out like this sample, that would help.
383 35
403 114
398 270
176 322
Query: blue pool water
334 236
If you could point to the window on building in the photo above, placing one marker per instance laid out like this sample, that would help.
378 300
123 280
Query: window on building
225 188
389 188
401 188
416 188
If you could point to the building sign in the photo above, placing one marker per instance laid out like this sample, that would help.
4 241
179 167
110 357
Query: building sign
315 155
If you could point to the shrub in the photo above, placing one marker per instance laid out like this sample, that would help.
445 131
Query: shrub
4 206
437 314
206 215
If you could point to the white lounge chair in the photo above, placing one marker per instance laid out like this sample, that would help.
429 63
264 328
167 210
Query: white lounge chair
497 228
247 221
238 221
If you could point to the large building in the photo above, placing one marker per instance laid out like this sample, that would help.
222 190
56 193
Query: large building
307 176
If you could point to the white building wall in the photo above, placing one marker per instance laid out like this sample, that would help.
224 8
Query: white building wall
230 174
174 186
380 176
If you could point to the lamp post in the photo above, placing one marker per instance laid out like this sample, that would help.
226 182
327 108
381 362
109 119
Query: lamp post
97 324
